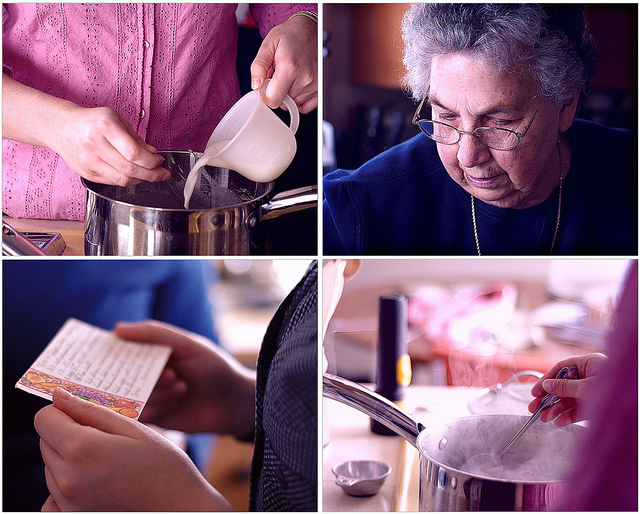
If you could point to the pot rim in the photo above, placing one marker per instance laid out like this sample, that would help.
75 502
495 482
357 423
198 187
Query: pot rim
258 199
91 189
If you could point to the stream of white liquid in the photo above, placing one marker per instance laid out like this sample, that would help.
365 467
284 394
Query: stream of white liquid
208 158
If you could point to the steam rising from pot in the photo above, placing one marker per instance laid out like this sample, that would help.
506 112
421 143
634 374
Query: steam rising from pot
543 454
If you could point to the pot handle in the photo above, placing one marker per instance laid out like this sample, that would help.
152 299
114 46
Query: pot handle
525 373
372 404
288 201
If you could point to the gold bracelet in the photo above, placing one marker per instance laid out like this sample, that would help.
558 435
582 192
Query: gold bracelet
307 14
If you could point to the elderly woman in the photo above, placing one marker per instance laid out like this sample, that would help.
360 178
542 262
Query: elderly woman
501 166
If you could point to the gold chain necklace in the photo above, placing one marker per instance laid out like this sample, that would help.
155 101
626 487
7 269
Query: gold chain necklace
555 233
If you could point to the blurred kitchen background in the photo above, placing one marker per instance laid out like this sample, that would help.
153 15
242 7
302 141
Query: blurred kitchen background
476 323
365 111
246 296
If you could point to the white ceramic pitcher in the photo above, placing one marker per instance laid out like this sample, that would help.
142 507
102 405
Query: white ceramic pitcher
250 139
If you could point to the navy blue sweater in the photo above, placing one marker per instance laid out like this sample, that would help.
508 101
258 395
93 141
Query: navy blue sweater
403 202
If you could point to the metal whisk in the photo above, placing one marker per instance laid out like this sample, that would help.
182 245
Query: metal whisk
570 372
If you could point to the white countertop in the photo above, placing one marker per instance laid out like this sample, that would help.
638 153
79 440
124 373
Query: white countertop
350 438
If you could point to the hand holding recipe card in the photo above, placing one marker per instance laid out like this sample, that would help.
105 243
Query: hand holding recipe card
94 364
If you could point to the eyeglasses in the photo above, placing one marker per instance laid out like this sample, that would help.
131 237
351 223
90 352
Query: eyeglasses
493 137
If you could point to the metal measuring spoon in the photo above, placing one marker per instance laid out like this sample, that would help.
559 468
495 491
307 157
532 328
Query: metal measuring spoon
569 372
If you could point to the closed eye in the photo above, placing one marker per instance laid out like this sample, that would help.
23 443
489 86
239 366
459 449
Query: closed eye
445 117
502 123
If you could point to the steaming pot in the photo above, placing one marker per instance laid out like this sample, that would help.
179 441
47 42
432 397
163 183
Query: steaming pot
449 479
150 218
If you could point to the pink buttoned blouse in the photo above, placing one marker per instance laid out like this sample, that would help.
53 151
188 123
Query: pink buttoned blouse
168 69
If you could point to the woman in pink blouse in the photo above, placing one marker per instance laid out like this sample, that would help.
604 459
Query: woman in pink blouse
92 90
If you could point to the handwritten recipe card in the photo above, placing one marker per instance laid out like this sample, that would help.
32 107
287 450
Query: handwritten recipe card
97 366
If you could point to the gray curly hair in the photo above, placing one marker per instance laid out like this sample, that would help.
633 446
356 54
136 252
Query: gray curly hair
551 40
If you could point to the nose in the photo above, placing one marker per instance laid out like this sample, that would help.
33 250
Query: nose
472 152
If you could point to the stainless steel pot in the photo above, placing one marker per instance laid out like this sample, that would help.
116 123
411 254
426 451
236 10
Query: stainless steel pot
451 478
150 218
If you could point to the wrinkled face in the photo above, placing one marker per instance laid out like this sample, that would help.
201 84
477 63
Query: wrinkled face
468 93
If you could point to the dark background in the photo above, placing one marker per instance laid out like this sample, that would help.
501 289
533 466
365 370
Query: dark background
295 233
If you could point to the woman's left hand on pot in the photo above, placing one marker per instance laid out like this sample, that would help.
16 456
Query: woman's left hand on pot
574 394
289 56
97 459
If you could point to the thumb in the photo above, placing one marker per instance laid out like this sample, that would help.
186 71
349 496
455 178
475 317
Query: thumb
152 331
563 388
89 414
261 66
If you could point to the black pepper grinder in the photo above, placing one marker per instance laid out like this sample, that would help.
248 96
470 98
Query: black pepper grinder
393 367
